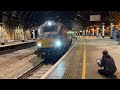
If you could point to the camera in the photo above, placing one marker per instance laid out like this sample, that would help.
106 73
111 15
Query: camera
98 61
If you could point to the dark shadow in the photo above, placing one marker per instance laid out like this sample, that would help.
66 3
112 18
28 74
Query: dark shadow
35 60
109 77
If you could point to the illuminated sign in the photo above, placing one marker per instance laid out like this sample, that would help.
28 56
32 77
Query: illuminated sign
95 17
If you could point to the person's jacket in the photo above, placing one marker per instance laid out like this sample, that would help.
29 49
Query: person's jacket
108 63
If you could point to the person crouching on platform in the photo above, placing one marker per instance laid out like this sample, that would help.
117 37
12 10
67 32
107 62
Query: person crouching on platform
108 64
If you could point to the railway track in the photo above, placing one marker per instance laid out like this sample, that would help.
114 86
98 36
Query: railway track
39 70
7 51
36 72
10 49
39 73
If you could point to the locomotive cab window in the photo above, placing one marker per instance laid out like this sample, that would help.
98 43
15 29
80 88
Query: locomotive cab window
49 29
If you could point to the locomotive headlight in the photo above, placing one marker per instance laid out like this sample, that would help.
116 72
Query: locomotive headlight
49 23
39 44
58 43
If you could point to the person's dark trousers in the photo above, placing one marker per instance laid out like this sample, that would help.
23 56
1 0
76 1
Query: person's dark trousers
102 72
118 41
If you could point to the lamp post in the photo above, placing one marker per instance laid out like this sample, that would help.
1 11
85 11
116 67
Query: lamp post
1 34
33 33
103 30
97 31
22 34
111 29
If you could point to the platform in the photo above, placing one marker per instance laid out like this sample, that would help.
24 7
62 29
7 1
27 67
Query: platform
17 45
80 61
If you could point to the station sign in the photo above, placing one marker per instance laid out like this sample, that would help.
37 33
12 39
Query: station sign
95 17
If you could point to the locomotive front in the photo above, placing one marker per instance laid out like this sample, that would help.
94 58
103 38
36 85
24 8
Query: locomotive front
49 42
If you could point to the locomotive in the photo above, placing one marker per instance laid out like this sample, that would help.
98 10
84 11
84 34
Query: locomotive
54 39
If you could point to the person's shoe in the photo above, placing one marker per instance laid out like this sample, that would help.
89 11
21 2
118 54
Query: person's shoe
112 76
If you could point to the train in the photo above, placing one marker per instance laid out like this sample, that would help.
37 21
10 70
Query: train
54 39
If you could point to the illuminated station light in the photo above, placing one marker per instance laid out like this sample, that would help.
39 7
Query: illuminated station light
98 28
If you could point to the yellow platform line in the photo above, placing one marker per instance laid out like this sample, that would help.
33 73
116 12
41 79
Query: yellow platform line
84 63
